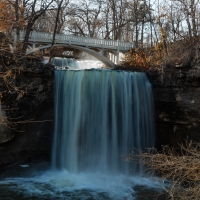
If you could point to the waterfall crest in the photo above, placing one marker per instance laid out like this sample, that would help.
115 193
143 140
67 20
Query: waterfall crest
100 115
65 63
70 63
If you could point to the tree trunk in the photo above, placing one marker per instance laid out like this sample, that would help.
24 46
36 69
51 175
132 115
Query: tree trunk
17 22
189 27
193 10
28 30
142 33
56 23
55 28
136 35
34 16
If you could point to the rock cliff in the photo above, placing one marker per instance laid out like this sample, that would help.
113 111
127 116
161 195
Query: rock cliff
27 118
177 104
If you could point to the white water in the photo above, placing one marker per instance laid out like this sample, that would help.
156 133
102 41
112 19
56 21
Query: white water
64 185
100 115
88 64
70 63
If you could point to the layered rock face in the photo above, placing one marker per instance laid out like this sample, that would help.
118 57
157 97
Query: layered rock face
177 104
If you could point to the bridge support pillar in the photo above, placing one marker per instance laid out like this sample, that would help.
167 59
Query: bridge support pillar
117 57
101 52
112 57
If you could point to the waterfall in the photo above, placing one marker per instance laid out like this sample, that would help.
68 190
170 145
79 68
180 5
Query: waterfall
100 115
70 63
63 63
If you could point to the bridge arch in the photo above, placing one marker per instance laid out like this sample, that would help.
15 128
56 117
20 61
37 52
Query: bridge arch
97 55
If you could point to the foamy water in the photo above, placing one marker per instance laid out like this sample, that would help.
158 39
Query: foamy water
88 64
70 63
65 185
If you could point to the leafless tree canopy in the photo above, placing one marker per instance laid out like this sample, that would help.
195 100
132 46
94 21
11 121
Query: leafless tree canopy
143 21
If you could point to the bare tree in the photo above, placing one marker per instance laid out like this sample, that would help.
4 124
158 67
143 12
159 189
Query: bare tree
189 9
115 19
59 3
34 11
85 18
141 15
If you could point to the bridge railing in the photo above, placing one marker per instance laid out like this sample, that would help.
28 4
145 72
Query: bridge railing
77 40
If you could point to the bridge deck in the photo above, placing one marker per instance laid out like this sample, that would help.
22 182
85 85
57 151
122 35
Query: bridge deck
40 37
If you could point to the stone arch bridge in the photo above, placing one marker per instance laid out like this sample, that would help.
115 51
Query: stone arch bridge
93 46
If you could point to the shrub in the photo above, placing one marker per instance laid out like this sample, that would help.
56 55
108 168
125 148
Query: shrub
180 166
136 58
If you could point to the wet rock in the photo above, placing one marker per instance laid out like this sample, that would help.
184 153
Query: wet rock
5 132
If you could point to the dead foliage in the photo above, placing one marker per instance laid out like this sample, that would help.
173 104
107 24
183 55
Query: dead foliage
136 59
178 166
182 53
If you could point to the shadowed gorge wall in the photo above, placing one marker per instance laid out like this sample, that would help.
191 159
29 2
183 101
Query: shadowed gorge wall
177 104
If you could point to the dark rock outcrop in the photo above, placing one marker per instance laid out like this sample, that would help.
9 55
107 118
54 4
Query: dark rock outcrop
26 134
177 104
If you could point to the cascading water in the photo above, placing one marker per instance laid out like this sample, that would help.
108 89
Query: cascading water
100 115
63 63
70 63
88 64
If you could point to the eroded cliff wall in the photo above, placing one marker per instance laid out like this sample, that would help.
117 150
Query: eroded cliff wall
177 104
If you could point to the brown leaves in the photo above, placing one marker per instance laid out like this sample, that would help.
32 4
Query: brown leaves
7 15
137 58
8 18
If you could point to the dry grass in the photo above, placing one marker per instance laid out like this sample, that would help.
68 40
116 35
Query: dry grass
181 167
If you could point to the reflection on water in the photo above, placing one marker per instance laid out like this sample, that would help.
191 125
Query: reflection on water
39 182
